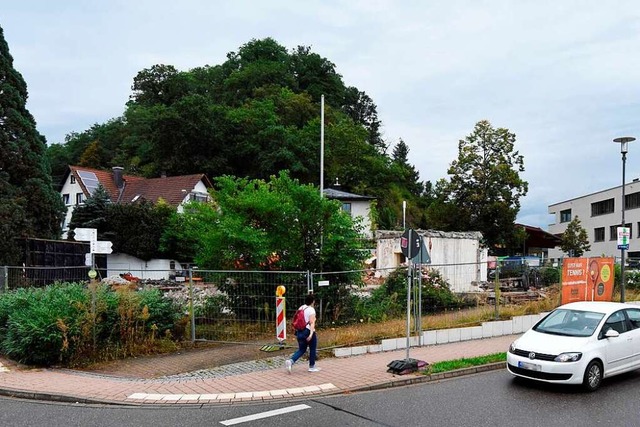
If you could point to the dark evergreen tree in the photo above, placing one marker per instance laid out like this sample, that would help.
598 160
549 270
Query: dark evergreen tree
93 214
29 205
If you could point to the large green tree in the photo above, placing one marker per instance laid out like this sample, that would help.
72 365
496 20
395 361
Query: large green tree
575 241
29 205
277 224
252 116
484 189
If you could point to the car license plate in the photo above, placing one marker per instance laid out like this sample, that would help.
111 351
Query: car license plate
529 366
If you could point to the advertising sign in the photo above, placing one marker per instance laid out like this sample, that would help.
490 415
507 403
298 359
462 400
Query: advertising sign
623 237
587 279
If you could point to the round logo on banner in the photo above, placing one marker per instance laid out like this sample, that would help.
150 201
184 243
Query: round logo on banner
605 273
600 289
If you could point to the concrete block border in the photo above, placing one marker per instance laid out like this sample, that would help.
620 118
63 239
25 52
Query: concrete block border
516 325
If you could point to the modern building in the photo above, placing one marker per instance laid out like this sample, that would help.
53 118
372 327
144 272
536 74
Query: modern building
600 215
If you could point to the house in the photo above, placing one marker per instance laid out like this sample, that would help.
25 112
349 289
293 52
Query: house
538 242
458 256
359 207
600 214
81 182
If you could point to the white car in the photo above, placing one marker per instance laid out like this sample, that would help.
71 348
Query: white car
579 343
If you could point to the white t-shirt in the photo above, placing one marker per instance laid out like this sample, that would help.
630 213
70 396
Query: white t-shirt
308 312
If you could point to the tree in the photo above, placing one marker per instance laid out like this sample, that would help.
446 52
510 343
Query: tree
253 115
29 205
275 225
575 241
485 186
93 213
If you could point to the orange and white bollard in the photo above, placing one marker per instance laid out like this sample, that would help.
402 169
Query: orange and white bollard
281 318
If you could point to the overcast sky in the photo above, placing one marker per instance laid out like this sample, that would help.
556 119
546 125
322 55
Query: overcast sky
564 76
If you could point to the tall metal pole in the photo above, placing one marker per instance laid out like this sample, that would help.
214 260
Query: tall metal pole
623 141
622 278
321 145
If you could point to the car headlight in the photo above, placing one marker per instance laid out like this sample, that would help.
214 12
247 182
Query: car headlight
568 357
512 347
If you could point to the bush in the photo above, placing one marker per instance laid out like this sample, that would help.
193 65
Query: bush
45 325
66 323
550 275
390 299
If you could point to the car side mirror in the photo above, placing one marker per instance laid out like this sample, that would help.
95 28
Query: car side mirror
611 333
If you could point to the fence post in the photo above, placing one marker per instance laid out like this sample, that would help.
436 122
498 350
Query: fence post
5 281
191 310
496 289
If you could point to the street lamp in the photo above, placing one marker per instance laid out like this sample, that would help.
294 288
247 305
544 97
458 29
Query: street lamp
624 148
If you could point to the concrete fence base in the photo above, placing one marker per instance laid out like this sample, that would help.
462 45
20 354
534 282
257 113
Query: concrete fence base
516 325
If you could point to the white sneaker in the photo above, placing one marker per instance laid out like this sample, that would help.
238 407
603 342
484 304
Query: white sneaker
288 364
314 369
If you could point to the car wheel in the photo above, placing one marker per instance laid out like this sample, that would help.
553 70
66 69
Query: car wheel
592 376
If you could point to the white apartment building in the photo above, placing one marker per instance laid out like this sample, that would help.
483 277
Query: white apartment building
600 215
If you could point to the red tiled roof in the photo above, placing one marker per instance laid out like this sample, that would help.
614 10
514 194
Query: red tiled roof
170 189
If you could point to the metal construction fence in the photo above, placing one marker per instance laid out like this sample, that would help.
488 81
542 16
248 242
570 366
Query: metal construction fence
240 306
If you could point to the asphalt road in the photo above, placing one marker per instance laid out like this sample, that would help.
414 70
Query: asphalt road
488 399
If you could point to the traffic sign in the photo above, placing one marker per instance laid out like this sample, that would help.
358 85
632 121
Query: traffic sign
85 234
101 247
410 243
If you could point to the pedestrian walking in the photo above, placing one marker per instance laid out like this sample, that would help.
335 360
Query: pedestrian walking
307 336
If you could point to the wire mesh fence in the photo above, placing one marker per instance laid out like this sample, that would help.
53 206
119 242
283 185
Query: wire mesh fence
240 306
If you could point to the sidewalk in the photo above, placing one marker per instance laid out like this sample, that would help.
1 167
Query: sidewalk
258 380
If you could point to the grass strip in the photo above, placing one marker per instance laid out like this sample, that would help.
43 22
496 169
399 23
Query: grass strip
451 365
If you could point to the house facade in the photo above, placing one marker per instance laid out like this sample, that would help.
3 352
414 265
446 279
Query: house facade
358 206
600 215
81 182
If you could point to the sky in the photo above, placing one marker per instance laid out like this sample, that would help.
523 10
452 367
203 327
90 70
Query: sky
564 76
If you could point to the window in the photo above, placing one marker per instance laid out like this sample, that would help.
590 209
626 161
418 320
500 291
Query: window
73 179
565 215
65 199
346 207
638 228
198 197
79 198
634 317
632 201
603 207
617 322
598 234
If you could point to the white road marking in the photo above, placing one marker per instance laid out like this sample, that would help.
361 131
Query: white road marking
257 395
262 415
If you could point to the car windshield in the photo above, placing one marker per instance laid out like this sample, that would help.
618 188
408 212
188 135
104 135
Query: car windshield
570 323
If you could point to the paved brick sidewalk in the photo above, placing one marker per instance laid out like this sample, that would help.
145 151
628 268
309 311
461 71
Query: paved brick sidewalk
267 382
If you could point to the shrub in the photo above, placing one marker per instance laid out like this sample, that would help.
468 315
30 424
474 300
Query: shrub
550 275
46 324
390 299
68 323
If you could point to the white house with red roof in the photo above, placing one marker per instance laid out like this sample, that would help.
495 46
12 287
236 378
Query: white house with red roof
81 182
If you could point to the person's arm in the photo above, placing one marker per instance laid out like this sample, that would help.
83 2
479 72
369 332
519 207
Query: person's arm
312 325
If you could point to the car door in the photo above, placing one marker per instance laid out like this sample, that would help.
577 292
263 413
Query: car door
618 350
633 314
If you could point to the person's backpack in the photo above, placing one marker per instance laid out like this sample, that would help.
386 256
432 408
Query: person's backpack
298 319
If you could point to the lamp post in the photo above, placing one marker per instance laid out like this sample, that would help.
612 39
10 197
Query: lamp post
624 148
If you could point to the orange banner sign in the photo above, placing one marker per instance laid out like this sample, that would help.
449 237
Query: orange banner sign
587 279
